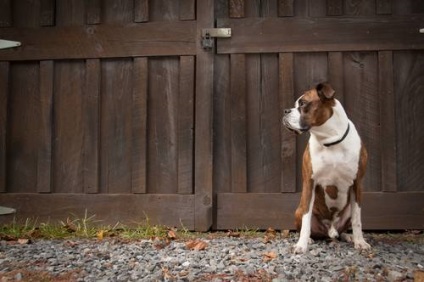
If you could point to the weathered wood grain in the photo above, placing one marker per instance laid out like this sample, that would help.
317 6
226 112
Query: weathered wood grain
336 74
238 123
115 126
163 125
23 134
4 93
321 34
44 154
262 118
91 116
130 209
237 8
93 11
384 7
5 13
68 129
381 211
408 83
286 8
388 121
187 10
47 12
101 41
141 11
139 125
222 125
363 107
288 140
203 122
186 124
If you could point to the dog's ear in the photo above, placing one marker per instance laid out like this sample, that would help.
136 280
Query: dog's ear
325 91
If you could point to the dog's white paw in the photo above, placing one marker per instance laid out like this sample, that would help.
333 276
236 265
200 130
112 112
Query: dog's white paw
360 244
300 248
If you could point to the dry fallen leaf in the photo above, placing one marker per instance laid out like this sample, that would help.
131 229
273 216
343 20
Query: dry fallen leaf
172 235
101 234
285 233
419 276
70 226
270 235
196 245
23 241
269 256
233 234
271 230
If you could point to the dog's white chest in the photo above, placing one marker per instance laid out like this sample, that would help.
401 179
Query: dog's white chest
334 167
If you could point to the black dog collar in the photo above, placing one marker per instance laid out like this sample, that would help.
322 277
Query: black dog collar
341 139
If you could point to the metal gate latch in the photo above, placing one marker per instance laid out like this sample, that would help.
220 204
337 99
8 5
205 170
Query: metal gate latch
208 35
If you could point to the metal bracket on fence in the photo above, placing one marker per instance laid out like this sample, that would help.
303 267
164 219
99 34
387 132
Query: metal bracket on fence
9 44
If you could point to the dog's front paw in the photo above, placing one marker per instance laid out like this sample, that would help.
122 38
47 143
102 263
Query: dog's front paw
360 244
300 248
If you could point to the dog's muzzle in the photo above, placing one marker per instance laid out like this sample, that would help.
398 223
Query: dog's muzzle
292 123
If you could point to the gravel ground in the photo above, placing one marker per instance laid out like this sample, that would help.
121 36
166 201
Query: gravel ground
211 258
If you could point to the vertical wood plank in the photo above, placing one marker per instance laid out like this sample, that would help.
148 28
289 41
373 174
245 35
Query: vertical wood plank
70 13
5 13
203 122
301 8
45 146
384 7
334 7
187 10
222 126
335 73
121 12
238 123
285 8
266 150
141 11
409 82
185 125
163 125
362 104
4 92
139 125
68 141
115 126
236 8
93 11
91 126
388 121
359 8
317 8
288 140
47 12
23 132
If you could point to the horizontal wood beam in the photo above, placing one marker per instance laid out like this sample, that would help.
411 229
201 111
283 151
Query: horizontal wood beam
276 35
381 211
131 209
101 41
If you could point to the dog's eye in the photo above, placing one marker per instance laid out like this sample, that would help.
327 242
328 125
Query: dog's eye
302 103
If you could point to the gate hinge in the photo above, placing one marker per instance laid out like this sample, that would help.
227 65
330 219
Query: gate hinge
9 44
209 33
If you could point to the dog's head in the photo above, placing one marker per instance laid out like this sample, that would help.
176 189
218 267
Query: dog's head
313 108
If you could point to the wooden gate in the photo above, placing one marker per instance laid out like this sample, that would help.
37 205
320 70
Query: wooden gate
370 51
100 110
114 108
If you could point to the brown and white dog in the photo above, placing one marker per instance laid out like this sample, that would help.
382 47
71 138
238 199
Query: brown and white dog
334 164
